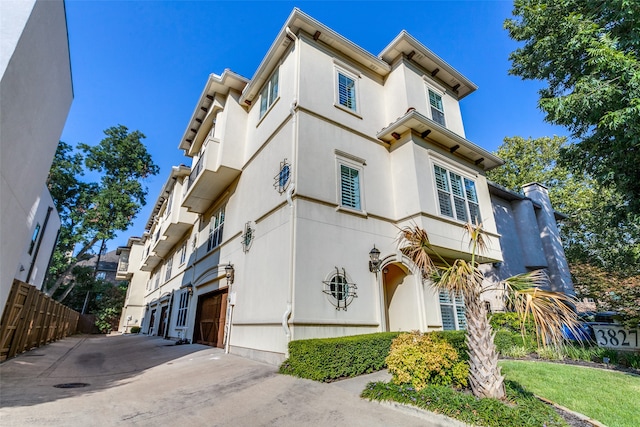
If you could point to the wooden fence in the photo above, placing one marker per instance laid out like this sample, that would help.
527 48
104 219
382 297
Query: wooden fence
32 319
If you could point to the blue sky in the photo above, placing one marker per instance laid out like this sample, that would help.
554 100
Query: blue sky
143 64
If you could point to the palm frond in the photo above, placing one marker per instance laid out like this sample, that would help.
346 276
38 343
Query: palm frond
550 311
414 244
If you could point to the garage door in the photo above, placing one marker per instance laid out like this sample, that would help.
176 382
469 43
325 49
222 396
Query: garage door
210 318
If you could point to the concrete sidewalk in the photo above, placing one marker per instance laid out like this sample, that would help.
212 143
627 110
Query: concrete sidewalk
140 380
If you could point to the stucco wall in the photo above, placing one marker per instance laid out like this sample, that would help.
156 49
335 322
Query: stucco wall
35 97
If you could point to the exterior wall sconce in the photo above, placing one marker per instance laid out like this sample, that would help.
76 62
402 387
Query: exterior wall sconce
230 273
374 260
189 289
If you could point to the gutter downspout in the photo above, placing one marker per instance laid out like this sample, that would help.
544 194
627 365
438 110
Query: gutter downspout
292 217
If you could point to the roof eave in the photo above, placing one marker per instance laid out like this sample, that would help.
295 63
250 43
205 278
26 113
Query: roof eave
439 134
299 21
215 84
406 43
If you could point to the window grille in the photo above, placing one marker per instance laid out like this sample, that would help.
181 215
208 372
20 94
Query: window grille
340 290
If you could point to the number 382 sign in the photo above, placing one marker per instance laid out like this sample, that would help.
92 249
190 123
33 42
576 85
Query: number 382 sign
615 336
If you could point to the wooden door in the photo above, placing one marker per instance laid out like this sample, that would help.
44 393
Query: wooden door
210 319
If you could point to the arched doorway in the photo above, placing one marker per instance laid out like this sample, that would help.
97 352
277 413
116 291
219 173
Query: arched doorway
401 301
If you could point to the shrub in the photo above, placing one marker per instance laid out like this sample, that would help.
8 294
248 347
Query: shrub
424 359
330 358
516 352
457 339
135 329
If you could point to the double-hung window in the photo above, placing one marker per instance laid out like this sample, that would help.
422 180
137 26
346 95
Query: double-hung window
182 309
269 93
350 187
457 196
216 226
453 312
437 110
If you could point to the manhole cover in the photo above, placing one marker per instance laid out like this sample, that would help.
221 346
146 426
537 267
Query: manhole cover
71 385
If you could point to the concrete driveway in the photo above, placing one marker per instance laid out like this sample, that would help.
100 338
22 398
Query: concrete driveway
140 380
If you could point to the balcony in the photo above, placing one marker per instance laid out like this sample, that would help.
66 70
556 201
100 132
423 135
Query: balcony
208 179
172 230
150 262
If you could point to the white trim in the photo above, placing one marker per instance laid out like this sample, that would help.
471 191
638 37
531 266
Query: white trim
350 70
436 87
346 161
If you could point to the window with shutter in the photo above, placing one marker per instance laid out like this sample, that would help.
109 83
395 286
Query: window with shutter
437 110
453 311
457 196
269 93
349 187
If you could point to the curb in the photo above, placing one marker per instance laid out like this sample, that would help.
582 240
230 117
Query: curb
583 417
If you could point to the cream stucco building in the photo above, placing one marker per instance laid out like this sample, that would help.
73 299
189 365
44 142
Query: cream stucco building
35 96
295 176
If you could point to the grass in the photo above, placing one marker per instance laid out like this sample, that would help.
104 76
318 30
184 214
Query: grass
613 398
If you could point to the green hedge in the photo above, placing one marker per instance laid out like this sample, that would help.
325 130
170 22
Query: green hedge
331 358
328 359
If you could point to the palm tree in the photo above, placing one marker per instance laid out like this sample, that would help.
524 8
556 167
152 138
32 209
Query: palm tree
548 310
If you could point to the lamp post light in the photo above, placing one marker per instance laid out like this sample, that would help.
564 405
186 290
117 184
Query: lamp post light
229 271
374 260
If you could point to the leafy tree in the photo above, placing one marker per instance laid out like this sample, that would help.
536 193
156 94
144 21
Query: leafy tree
593 233
610 291
588 54
603 250
95 211
109 306
548 310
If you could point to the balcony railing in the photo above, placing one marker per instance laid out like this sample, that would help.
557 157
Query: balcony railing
195 171
123 266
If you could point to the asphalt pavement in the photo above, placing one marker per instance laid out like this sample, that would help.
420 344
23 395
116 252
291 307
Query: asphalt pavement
123 380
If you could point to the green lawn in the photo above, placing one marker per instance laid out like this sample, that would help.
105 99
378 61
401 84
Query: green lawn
613 398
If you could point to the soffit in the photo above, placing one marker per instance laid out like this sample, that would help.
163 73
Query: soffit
435 132
215 85
297 22
406 44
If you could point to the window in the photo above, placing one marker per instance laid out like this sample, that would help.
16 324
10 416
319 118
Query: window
269 93
346 91
169 203
216 225
339 289
457 196
34 238
167 274
182 309
157 281
183 252
349 187
437 111
101 275
283 177
452 310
